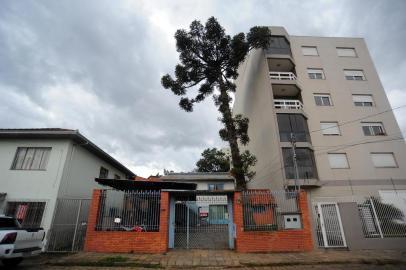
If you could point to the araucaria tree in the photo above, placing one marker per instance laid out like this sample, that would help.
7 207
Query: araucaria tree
209 60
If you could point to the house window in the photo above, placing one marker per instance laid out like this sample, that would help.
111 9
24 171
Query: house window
116 176
29 214
373 129
215 187
363 100
329 128
279 45
338 161
323 100
31 158
383 160
305 163
104 173
295 124
346 52
310 50
354 75
315 73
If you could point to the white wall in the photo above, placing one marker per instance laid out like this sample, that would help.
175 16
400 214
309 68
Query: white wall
82 167
29 185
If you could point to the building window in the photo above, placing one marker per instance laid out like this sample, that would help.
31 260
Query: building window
383 160
338 161
31 158
295 124
116 176
215 186
329 128
29 214
323 100
310 50
315 73
279 45
305 163
104 173
354 75
363 100
373 129
346 52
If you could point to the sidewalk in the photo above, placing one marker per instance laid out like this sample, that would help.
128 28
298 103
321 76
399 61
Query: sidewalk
225 258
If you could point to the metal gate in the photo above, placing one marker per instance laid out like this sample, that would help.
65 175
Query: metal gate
329 229
202 223
68 230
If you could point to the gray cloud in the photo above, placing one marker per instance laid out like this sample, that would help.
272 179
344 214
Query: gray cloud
96 66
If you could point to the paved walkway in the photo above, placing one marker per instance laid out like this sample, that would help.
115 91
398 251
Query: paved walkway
224 258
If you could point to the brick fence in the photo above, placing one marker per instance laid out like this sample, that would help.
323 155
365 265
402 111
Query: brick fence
273 241
122 241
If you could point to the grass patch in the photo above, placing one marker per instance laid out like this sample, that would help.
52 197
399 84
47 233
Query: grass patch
113 259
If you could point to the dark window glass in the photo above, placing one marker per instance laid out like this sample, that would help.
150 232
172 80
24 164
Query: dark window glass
295 124
367 131
326 101
104 173
305 163
29 214
279 45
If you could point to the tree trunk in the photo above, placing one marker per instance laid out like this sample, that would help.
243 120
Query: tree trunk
228 121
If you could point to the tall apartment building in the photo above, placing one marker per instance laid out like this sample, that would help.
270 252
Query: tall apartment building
323 93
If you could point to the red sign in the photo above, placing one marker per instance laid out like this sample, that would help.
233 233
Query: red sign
21 211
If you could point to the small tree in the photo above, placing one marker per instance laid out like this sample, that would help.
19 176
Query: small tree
213 160
209 60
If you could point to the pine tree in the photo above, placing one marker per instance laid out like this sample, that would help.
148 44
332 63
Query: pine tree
209 59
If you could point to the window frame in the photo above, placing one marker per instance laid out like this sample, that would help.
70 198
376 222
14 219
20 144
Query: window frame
308 47
330 134
384 153
370 126
364 78
323 76
347 48
215 185
342 154
323 96
105 170
42 164
363 102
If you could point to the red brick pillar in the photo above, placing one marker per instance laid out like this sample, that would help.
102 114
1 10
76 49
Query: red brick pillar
238 218
164 221
306 216
92 219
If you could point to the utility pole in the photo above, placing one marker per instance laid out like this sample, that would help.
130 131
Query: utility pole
293 142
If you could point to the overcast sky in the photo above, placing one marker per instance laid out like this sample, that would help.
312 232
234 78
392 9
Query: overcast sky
96 66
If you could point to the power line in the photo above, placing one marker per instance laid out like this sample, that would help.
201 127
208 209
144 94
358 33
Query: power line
362 118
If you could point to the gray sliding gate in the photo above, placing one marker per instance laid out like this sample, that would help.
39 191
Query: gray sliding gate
68 230
201 222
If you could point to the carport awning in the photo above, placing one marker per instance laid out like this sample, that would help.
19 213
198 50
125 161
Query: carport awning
121 184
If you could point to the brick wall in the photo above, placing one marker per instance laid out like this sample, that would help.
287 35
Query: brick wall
120 241
276 241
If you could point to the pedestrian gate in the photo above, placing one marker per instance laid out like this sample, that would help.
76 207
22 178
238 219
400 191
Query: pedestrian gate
201 221
330 233
68 230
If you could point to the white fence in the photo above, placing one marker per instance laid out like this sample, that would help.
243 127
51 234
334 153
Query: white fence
291 104
282 75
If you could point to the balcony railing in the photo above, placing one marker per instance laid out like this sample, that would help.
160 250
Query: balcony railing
290 104
282 75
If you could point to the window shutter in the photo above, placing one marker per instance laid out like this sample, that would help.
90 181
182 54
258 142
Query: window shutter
383 160
362 98
307 50
346 52
354 73
329 128
338 161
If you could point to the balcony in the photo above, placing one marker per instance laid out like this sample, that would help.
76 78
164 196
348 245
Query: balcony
284 84
282 76
289 104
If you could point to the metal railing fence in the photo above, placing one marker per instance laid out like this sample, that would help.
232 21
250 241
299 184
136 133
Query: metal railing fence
275 75
381 220
291 104
129 211
265 210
